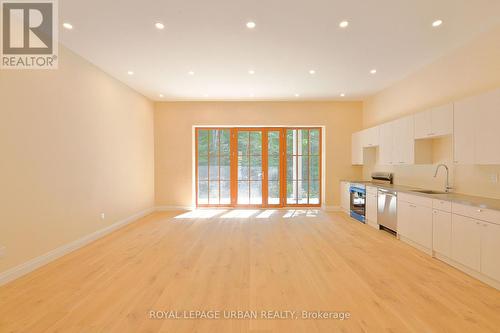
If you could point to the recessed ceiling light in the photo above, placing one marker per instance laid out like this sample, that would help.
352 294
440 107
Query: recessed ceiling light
251 72
130 73
297 95
342 95
191 73
251 25
159 26
373 71
343 24
161 95
437 23
67 25
312 72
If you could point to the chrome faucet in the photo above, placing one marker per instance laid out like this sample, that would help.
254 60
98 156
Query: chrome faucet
447 187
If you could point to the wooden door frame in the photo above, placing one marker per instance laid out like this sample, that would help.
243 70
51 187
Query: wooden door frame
233 156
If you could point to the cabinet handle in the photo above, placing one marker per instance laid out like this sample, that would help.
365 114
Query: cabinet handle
413 206
479 210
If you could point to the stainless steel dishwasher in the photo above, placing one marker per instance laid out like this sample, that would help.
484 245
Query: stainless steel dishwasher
387 210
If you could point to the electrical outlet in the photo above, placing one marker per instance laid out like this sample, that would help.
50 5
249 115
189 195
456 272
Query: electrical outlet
103 216
494 177
3 251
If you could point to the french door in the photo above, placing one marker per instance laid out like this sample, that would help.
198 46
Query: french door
258 167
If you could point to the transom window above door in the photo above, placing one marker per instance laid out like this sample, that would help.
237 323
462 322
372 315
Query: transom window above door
258 167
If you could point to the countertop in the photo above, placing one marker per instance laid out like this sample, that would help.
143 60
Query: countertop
464 199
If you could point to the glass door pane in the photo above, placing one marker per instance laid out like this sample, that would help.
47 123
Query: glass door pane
250 173
273 167
213 158
303 166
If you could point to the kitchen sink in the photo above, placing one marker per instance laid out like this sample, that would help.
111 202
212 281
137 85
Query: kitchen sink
429 192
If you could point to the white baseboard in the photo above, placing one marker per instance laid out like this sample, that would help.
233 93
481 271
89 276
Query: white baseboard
56 253
475 274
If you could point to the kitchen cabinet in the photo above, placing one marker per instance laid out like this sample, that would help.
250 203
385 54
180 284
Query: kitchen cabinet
434 122
415 219
357 149
476 133
371 206
487 133
490 250
403 147
464 128
441 232
386 142
370 137
345 196
404 218
466 241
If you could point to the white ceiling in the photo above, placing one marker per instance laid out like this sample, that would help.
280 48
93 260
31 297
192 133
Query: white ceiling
210 38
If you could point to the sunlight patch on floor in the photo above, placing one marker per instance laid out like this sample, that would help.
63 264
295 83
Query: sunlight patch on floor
239 214
301 212
266 214
200 214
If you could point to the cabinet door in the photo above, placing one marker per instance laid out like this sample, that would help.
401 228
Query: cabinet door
466 241
464 128
386 142
487 134
371 207
441 232
423 125
371 137
357 149
442 120
490 250
421 228
404 141
405 212
346 196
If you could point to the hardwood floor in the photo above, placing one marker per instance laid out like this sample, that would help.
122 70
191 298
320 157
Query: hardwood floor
297 261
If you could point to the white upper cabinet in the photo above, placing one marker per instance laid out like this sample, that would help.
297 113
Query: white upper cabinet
403 151
370 137
476 131
434 122
423 125
386 142
357 149
442 120
464 128
487 130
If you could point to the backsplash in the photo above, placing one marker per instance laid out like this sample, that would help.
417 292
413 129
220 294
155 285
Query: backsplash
466 179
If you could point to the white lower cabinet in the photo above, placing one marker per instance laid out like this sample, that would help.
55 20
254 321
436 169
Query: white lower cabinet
422 226
404 218
466 241
441 232
490 250
371 207
415 221
345 196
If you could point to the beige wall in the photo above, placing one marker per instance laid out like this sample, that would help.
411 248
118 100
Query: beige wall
471 69
74 142
173 138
